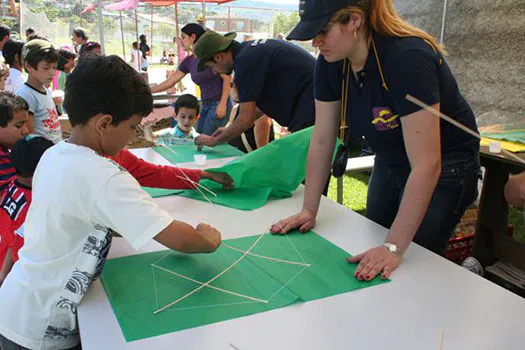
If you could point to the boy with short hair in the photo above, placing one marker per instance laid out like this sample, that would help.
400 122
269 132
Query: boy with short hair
81 198
13 57
14 120
186 111
40 61
16 199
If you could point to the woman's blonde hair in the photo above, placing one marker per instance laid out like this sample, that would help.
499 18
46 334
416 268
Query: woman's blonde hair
382 17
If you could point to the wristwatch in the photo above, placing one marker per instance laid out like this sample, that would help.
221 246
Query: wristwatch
392 248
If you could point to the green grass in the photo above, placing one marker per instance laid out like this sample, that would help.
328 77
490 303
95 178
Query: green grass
355 188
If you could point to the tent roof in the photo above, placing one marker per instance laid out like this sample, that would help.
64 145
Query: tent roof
172 2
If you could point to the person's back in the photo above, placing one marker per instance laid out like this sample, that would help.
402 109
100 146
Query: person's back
80 199
282 84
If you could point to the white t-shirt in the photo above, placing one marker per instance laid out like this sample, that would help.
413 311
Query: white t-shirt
79 199
15 80
136 60
45 115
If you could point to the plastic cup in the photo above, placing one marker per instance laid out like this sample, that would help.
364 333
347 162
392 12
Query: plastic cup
495 147
200 159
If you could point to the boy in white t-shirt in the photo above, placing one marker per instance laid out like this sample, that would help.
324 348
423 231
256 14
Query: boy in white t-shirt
80 199
40 61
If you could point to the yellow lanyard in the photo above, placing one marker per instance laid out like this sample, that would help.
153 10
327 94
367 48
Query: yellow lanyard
344 99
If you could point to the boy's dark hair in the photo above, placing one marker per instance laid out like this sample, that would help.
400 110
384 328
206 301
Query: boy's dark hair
30 31
36 36
193 28
108 85
142 38
89 47
80 33
11 49
49 55
63 57
9 104
26 154
187 101
4 31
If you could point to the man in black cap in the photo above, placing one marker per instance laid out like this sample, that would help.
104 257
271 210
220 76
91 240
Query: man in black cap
273 75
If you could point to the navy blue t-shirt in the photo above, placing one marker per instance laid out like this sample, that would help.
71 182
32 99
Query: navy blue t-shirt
278 77
410 66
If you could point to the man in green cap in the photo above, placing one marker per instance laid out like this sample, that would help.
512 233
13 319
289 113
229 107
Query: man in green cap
40 61
273 75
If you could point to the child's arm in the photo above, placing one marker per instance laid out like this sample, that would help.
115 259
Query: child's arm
156 176
515 190
186 239
169 177
6 267
261 131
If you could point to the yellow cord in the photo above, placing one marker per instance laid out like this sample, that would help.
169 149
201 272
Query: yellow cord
344 99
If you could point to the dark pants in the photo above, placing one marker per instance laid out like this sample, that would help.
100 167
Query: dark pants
208 122
455 191
6 344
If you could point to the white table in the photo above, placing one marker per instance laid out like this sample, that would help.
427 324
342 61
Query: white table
427 294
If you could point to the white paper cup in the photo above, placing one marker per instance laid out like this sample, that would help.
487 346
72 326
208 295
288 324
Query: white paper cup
200 159
495 147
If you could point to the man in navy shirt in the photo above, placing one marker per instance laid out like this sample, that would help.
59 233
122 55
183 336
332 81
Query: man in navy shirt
275 76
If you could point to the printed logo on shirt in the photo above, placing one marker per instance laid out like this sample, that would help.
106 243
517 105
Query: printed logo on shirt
52 121
14 202
384 119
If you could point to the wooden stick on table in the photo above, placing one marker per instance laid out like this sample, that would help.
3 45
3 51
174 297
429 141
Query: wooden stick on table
456 124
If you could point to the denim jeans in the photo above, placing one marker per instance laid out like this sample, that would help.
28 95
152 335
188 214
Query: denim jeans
208 122
455 191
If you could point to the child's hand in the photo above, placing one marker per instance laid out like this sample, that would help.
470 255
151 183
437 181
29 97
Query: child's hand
211 234
222 178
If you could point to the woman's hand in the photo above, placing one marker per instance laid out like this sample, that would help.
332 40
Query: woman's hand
221 178
374 261
305 221
220 111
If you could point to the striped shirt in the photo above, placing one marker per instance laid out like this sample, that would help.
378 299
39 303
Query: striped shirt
7 171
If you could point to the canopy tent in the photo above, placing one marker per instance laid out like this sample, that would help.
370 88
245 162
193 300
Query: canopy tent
125 5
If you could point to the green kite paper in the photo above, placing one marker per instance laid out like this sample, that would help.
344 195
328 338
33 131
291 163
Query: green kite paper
184 153
273 171
279 271
511 135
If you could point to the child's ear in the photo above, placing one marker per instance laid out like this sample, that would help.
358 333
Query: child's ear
102 123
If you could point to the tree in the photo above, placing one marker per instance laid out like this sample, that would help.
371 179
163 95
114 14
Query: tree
283 23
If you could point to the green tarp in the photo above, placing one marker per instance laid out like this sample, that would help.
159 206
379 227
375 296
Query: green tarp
274 171
136 289
184 153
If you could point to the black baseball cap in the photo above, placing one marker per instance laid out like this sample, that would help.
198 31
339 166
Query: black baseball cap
315 15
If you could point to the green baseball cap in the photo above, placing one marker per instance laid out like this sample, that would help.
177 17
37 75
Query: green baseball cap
34 47
209 44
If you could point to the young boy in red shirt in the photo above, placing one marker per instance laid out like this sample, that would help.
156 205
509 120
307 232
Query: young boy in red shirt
16 199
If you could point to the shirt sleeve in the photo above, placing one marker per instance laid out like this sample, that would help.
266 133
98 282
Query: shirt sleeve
415 72
125 208
29 98
157 176
250 77
328 80
184 66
